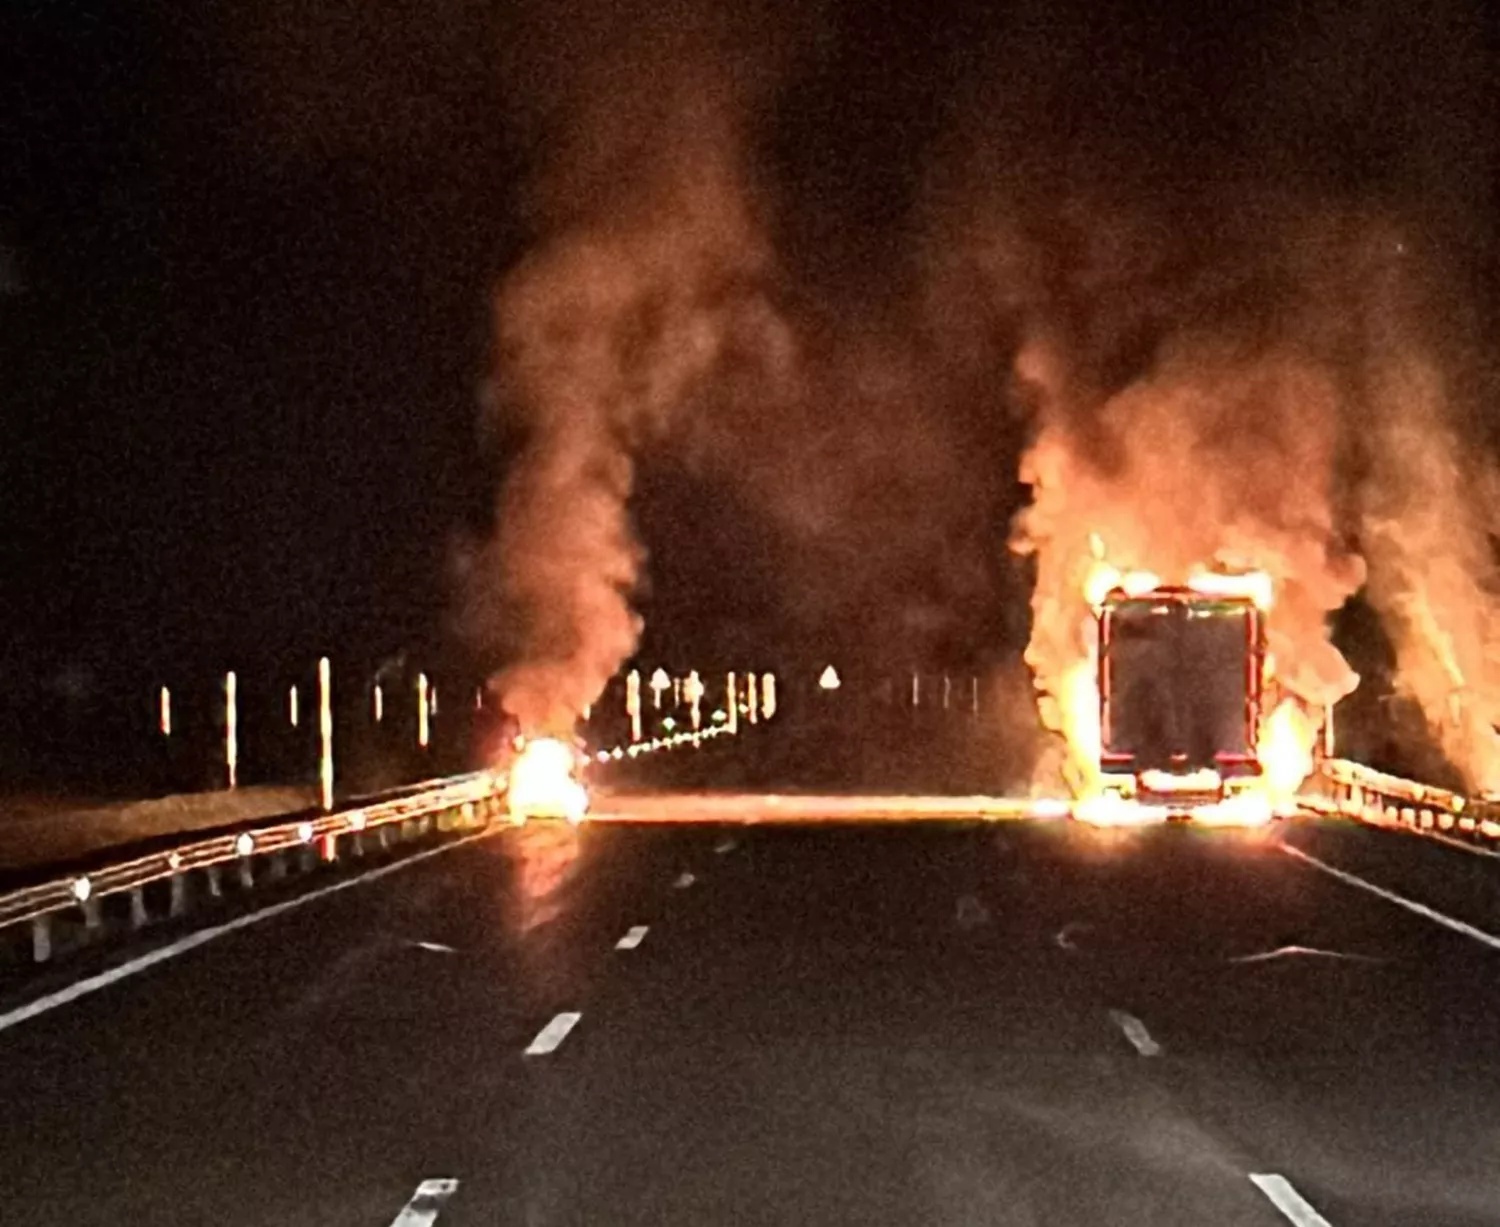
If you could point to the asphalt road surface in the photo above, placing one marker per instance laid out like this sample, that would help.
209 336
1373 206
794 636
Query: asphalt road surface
925 1024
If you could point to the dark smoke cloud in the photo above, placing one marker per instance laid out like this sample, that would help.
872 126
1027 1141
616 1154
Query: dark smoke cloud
1207 265
651 313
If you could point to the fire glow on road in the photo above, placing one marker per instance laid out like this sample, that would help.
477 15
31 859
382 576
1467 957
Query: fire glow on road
733 807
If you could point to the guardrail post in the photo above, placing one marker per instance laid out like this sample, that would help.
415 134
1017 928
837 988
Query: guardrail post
41 939
383 836
247 874
307 859
215 886
138 917
357 843
178 905
278 866
92 918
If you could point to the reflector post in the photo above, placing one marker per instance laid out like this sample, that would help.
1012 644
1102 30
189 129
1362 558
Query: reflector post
292 711
633 703
325 732
424 730
164 711
231 729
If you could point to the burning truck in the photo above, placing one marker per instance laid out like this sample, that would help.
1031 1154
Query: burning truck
1190 719
1180 679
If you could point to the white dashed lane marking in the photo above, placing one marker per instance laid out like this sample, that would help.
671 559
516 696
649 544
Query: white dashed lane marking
553 1034
1286 1199
1064 938
684 879
633 938
1135 1031
425 1204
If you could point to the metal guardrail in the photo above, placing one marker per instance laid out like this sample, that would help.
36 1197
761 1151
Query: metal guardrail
1341 786
453 804
456 803
1338 786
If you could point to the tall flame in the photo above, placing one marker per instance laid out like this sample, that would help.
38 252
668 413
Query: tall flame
1165 483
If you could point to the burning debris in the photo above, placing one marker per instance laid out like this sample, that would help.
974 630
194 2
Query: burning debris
544 782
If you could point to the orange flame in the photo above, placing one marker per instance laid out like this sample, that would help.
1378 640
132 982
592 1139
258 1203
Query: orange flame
543 783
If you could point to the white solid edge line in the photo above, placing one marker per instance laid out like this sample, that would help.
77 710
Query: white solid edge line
1136 1033
92 984
1390 896
553 1034
633 938
1286 1199
425 1204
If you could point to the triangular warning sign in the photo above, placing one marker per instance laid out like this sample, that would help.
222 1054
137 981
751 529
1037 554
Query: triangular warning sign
830 679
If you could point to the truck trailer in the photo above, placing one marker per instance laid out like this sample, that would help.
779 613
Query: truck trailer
1181 680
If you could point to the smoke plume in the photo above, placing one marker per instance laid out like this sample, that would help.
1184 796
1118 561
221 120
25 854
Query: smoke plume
1230 361
644 278
1285 409
1222 448
1427 521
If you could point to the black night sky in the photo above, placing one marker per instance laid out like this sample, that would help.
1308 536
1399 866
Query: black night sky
245 326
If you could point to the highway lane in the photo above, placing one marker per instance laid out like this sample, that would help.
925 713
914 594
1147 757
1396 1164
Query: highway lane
1025 1023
